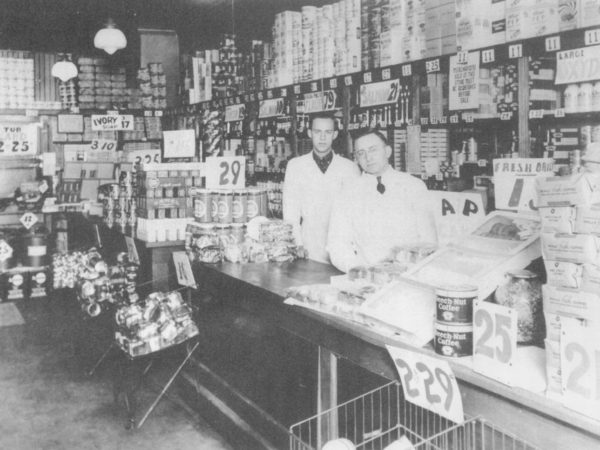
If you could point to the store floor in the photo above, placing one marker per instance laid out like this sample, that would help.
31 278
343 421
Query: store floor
47 402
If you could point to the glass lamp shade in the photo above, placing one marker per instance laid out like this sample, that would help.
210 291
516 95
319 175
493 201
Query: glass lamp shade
64 70
110 39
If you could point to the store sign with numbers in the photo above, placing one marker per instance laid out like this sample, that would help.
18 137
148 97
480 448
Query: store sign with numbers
28 220
234 113
319 101
112 122
381 93
428 382
514 181
578 65
463 81
18 139
226 172
270 108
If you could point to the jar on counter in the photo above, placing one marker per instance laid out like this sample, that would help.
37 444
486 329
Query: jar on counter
522 290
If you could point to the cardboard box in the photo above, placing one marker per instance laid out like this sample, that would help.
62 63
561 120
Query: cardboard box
564 274
557 219
577 189
571 303
576 248
587 219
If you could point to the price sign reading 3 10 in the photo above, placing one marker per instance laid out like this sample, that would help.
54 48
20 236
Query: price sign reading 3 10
428 382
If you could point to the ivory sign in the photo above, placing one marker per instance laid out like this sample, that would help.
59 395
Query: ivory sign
112 122
380 93
578 65
456 214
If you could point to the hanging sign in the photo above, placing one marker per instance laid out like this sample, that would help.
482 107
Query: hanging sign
227 172
112 122
494 341
578 65
234 113
270 108
319 101
514 181
428 382
28 220
464 81
580 368
18 139
381 93
456 214
183 269
179 143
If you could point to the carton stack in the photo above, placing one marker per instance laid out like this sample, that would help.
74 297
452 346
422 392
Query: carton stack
480 23
440 28
571 249
353 35
309 24
101 86
16 80
339 34
153 86
286 46
530 18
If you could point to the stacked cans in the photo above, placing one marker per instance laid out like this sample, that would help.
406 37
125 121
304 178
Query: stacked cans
101 85
454 321
287 36
229 206
353 36
16 80
153 86
309 23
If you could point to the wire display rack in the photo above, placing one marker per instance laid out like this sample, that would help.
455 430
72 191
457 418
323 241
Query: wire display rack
381 417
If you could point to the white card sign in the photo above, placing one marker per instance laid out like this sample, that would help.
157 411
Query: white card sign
514 181
226 172
319 101
578 65
28 220
235 113
381 93
495 341
132 252
6 251
18 139
270 108
183 269
112 122
428 382
179 143
103 144
463 81
147 156
456 213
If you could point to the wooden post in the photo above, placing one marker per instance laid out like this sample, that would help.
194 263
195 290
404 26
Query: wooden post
523 99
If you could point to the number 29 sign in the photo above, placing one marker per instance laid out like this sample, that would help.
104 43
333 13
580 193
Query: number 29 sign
226 172
428 382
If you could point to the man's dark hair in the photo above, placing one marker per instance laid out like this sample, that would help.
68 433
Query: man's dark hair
324 115
367 131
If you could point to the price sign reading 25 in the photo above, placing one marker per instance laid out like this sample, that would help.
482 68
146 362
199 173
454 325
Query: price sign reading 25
428 382
226 172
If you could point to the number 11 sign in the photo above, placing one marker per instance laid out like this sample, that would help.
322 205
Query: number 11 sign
226 172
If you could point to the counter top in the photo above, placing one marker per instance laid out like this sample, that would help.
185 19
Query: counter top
361 344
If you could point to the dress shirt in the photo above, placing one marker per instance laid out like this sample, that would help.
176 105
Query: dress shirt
307 198
323 163
365 225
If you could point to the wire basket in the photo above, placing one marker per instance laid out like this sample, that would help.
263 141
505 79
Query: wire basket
380 417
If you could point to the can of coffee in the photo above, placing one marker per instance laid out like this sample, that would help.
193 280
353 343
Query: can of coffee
38 286
240 206
455 305
253 204
225 206
202 206
214 206
453 340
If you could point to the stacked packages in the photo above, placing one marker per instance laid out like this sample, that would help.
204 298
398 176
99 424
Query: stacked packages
153 86
101 85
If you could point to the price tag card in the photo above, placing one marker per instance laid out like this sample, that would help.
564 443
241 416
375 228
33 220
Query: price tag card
495 341
18 139
132 252
381 93
580 368
103 144
28 220
112 122
6 251
226 172
428 382
179 143
183 268
144 156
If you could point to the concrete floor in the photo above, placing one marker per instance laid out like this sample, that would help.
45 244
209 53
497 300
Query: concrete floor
47 402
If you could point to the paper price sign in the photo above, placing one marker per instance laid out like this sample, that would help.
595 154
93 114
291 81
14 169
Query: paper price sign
580 369
18 140
494 341
103 144
112 122
234 113
270 108
319 101
6 250
183 269
428 382
226 172
28 220
144 156
179 143
381 93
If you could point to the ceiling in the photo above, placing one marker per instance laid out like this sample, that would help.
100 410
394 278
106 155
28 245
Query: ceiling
70 25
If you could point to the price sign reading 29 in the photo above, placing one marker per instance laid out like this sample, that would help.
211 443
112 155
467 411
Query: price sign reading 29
428 382
226 172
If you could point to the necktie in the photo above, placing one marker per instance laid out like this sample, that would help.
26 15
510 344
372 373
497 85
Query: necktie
380 186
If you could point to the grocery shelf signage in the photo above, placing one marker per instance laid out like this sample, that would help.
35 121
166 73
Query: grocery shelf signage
270 108
514 181
381 93
319 101
18 139
235 113
578 65
456 214
464 81
112 122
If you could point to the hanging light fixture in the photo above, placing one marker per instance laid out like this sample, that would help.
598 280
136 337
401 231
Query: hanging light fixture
110 39
64 69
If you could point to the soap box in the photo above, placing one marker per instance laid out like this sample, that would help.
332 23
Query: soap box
587 219
564 274
557 219
576 248
571 303
578 189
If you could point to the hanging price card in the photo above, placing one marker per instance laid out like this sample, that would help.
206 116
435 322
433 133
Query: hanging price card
6 251
464 81
183 269
112 122
580 368
428 382
494 341
103 144
226 172
380 93
18 139
179 143
28 220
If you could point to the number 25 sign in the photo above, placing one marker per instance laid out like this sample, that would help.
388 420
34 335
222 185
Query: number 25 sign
226 172
428 382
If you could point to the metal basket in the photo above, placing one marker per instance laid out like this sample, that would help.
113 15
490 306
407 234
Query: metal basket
376 419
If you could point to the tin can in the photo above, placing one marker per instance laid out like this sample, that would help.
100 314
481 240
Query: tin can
202 206
214 206
224 207
455 305
253 204
453 340
240 206
38 284
16 285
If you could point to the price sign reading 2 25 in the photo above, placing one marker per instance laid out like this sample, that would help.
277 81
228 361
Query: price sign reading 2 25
429 383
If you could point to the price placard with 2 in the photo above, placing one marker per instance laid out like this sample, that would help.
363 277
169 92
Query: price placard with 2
226 172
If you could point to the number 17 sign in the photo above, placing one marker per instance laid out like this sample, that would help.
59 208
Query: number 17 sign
428 382
227 172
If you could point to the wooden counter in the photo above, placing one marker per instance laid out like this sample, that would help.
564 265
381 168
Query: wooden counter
542 422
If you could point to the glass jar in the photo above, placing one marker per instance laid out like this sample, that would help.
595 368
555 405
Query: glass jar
522 290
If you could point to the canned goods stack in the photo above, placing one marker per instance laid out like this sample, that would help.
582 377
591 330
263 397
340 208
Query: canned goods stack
309 24
16 80
454 321
229 206
24 283
153 86
100 85
226 69
353 36
67 91
287 35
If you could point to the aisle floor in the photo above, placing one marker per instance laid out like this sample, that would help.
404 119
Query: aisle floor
49 403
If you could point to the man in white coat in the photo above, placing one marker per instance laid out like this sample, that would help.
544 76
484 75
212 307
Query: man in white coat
311 181
381 210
